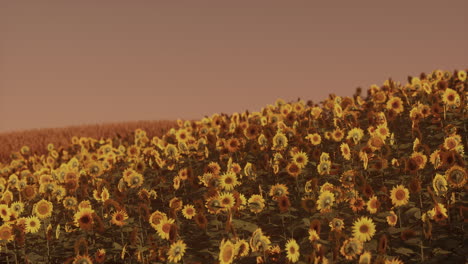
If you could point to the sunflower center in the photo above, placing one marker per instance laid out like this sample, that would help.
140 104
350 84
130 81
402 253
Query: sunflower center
292 250
166 228
400 194
42 209
227 254
364 229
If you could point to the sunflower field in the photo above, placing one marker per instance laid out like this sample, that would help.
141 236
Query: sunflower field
379 178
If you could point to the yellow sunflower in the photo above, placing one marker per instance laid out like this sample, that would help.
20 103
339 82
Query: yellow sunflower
365 258
355 134
292 250
373 205
5 212
84 218
82 259
450 97
164 227
43 209
280 141
345 151
33 224
364 229
256 203
392 218
176 251
456 176
241 248
439 183
70 202
399 195
337 134
226 253
135 180
461 75
119 217
293 169
278 190
351 248
300 158
189 211
325 201
336 224
227 200
394 260
395 104
6 233
229 181
315 139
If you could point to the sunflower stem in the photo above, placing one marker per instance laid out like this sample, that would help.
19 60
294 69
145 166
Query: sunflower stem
399 215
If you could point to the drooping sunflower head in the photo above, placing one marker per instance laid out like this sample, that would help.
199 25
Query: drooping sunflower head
456 176
351 248
278 190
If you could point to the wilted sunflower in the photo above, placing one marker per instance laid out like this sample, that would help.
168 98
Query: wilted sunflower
176 251
364 229
278 190
226 252
439 183
189 211
324 167
214 204
351 248
119 217
336 224
43 209
283 203
280 141
229 181
84 218
292 250
32 224
325 201
399 195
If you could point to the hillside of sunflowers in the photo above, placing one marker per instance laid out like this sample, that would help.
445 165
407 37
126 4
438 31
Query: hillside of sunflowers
374 178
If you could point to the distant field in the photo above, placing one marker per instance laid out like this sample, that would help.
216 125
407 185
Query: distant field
37 139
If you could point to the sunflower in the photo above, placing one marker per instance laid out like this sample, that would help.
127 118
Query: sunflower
84 218
351 248
300 158
241 248
233 144
461 75
324 167
280 141
229 181
337 135
226 252
164 227
456 176
119 217
450 97
355 134
70 202
182 135
345 151
313 236
189 211
33 224
439 212
135 180
420 159
5 212
373 205
43 209
364 229
365 258
293 169
82 259
439 183
6 233
308 203
451 143
256 203
214 204
100 255
292 250
283 203
325 201
336 224
399 195
394 260
392 218
395 104
227 200
278 190
176 251
315 139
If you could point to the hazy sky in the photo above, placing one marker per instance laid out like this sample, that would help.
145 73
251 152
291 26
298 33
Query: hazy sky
80 62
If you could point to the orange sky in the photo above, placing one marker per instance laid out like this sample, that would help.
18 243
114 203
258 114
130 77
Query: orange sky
80 62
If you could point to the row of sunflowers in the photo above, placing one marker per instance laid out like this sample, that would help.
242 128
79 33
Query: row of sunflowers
380 179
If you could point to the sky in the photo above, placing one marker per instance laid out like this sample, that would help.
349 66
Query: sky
68 63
